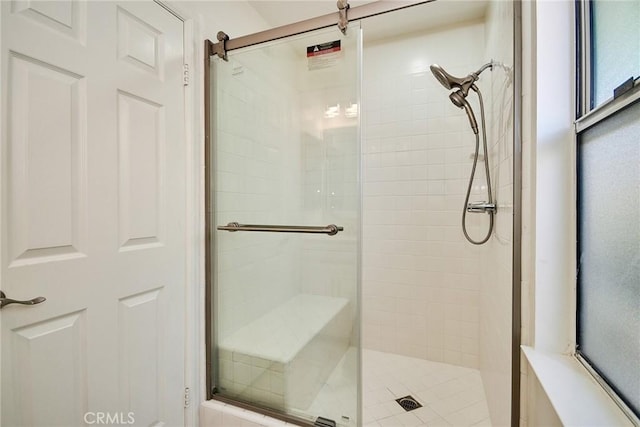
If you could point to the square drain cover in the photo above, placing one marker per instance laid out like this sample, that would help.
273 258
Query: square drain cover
408 403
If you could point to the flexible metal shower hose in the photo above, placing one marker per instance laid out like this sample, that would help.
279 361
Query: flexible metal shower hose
473 171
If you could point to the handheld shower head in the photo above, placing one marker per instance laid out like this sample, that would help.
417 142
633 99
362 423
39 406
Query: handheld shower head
459 100
462 84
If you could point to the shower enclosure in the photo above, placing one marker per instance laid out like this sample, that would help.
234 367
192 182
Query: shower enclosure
339 277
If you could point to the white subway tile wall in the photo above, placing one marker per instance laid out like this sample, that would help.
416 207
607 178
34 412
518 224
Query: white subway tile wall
427 292
257 181
421 279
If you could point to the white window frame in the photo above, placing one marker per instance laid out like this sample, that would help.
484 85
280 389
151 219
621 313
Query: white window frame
588 117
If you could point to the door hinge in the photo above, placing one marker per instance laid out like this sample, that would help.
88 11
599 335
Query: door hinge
187 397
185 74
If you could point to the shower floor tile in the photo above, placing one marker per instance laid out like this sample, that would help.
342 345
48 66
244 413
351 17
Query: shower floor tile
449 395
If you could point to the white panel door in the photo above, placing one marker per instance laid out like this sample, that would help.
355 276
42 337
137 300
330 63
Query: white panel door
93 213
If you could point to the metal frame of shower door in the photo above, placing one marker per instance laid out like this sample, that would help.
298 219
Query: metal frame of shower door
208 211
516 260
354 14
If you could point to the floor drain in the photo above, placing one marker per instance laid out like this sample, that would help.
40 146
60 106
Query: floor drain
408 403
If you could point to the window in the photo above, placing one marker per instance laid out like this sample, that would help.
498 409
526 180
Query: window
608 207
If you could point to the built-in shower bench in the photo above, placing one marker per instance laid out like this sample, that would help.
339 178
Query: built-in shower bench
283 358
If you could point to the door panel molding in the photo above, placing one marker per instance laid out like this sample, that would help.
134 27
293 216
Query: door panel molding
47 168
60 342
70 21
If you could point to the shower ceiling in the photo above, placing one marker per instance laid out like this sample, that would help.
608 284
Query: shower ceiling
440 13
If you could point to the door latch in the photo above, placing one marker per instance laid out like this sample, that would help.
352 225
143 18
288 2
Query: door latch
6 301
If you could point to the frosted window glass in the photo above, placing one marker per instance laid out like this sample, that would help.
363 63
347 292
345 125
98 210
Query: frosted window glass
616 45
609 251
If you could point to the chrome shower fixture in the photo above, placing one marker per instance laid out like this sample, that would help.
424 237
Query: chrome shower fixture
458 99
460 87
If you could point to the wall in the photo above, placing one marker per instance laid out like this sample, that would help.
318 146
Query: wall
421 292
330 169
235 17
496 288
544 415
555 182
548 200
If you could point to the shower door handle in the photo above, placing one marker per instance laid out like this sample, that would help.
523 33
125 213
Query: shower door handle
330 229
6 301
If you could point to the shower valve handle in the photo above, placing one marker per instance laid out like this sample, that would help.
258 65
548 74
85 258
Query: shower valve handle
481 207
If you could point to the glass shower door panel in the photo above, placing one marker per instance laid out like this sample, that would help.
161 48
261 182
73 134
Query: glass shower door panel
286 154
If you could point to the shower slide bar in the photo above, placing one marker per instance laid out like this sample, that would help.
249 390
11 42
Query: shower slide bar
330 229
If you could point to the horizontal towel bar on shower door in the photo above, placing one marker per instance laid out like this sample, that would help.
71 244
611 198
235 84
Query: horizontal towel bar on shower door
330 229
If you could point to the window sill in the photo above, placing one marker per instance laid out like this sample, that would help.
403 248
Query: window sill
576 397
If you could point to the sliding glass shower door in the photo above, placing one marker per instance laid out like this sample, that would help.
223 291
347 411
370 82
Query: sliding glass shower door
284 221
